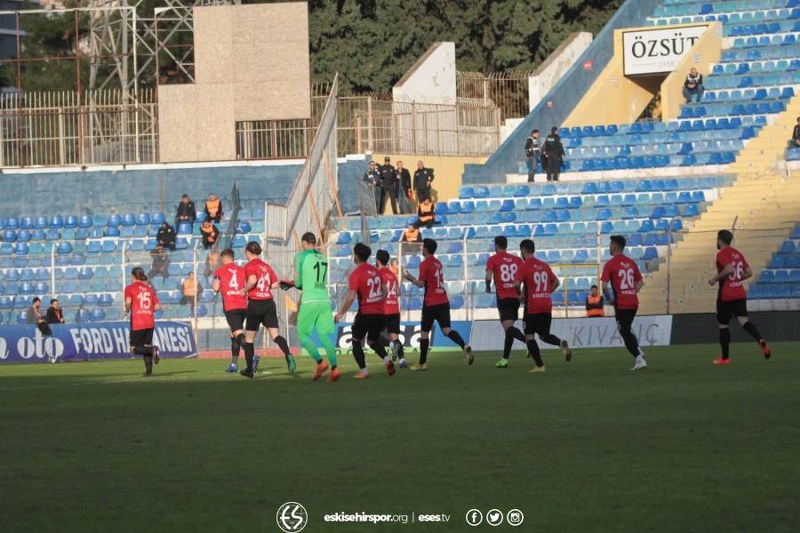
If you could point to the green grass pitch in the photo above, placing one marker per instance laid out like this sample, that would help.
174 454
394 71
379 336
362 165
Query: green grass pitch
587 446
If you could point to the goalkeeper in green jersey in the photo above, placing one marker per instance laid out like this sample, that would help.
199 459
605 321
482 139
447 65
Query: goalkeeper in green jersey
311 277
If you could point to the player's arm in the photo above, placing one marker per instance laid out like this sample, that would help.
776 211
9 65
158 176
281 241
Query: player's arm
128 302
607 292
414 281
555 283
724 273
748 273
351 296
252 281
489 276
639 285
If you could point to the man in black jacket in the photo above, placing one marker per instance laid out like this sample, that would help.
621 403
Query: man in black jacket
166 236
693 86
533 152
54 313
404 177
373 180
422 181
389 185
186 212
795 142
553 154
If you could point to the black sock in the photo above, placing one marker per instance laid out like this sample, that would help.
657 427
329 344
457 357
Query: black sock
358 354
283 345
240 338
750 328
509 341
533 348
456 338
725 341
400 349
148 364
143 350
379 349
235 347
249 352
517 334
551 339
423 350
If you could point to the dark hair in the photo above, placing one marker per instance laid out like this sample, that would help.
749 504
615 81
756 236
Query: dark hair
253 247
185 195
430 246
501 242
362 251
382 257
534 131
593 287
725 236
309 237
528 246
619 240
554 129
138 274
227 252
35 299
54 300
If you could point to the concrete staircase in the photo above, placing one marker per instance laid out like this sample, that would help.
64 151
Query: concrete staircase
763 200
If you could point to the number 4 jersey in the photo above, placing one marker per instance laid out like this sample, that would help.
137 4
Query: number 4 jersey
538 277
503 267
366 281
731 288
231 281
143 304
623 274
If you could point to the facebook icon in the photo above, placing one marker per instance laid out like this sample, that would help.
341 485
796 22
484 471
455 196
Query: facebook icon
474 517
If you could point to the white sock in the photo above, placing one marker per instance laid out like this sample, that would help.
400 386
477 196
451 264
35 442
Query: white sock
363 371
402 360
387 360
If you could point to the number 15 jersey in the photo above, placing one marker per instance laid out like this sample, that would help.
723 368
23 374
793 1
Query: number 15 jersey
538 278
143 304
623 274
366 281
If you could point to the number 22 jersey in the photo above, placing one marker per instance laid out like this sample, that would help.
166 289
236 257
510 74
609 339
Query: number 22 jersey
366 281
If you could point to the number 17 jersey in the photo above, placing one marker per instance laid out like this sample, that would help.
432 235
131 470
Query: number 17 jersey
312 276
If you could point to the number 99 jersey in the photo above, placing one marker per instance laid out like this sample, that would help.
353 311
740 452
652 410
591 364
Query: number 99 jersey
365 280
143 304
623 274
538 278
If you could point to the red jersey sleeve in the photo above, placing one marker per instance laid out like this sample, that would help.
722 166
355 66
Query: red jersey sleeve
606 276
354 280
490 263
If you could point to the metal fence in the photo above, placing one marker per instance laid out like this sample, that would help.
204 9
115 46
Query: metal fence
507 90
71 128
272 139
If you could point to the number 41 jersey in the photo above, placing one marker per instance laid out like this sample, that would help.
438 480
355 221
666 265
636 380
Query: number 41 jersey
366 281
623 274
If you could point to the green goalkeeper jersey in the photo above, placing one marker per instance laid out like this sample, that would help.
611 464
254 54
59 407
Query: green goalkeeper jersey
311 268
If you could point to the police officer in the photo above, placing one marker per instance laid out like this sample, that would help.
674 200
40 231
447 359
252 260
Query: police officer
533 152
422 181
553 154
373 180
389 185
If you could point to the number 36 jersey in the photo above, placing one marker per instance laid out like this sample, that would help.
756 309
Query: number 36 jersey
143 304
538 278
432 273
731 288
366 281
623 274
503 267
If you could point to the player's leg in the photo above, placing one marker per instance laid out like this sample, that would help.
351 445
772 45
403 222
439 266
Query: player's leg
359 331
393 327
306 320
625 326
740 312
443 318
509 313
270 322
533 346
235 321
424 338
141 344
325 329
373 339
252 323
723 318
544 333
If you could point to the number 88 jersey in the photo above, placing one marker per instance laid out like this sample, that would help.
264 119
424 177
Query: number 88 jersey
503 267
366 282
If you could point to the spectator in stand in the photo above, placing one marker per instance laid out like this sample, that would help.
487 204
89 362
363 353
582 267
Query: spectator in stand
34 316
423 177
213 262
166 236
693 86
425 214
54 313
372 177
594 303
186 212
795 142
405 193
533 152
160 266
411 234
394 266
213 208
389 186
190 290
553 154
209 233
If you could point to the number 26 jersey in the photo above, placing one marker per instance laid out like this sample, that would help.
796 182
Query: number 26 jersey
623 274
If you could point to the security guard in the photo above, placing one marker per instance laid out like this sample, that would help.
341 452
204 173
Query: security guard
553 154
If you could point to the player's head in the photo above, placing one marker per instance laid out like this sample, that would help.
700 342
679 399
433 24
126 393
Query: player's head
724 238
308 241
429 247
252 250
227 256
137 273
361 253
500 244
382 258
528 248
593 290
617 244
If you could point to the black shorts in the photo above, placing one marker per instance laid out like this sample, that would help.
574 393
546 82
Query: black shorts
509 309
142 337
435 313
261 312
236 318
730 309
624 318
538 323
369 326
392 323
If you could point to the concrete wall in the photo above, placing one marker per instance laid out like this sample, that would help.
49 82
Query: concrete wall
707 50
560 61
431 79
245 70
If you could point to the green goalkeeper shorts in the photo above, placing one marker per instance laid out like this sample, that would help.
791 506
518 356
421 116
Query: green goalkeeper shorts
315 314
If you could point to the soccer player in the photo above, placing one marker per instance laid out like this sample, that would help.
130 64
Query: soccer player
502 268
229 279
261 309
311 277
435 305
626 281
365 283
732 270
540 282
392 309
141 302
